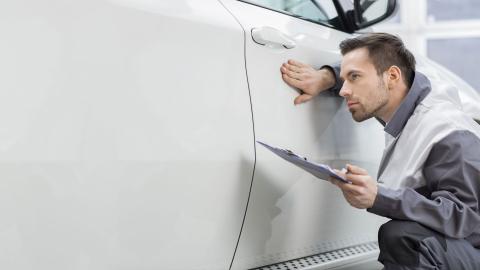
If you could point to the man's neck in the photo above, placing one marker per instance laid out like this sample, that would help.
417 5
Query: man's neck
396 98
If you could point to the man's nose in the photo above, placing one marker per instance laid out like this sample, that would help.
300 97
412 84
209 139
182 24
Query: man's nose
345 91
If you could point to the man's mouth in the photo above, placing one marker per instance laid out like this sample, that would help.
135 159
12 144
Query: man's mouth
351 103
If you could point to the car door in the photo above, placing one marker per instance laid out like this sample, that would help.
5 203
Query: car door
292 214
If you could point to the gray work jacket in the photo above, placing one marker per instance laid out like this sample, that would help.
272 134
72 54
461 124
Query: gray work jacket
430 169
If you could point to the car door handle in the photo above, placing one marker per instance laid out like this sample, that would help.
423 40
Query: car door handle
270 36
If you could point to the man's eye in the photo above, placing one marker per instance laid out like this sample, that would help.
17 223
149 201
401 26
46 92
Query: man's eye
354 77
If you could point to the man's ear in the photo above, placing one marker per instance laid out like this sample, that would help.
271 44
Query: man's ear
394 76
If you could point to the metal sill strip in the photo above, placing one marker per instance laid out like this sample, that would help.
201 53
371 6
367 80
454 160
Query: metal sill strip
328 260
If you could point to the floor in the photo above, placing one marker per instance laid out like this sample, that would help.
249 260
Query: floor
372 265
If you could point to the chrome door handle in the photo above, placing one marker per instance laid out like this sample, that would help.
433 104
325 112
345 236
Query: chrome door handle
270 36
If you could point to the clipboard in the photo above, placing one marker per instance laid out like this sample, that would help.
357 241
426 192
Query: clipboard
319 170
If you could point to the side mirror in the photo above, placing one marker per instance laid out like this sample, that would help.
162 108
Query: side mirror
369 12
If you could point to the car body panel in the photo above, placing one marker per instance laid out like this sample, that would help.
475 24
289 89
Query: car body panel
116 150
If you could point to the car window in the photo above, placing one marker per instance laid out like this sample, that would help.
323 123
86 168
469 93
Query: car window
321 11
375 8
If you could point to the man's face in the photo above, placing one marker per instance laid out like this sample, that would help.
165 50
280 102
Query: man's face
364 90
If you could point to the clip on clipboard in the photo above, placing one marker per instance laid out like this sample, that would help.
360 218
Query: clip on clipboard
319 170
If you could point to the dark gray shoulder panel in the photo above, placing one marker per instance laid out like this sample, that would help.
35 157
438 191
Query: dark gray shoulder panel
453 167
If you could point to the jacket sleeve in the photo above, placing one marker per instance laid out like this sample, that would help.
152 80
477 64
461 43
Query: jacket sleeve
335 68
452 173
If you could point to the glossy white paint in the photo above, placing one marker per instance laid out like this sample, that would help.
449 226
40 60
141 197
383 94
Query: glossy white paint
292 214
126 134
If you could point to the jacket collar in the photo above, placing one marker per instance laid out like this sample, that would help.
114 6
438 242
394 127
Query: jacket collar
418 91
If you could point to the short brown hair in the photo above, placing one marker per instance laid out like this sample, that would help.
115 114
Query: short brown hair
385 50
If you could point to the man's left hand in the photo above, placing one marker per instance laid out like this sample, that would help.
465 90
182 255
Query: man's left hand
361 193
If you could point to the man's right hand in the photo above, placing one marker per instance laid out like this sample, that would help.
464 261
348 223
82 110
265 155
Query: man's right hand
307 79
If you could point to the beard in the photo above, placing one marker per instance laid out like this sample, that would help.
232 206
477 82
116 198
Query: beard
372 104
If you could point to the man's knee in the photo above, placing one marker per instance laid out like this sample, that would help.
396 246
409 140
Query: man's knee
399 241
402 232
392 232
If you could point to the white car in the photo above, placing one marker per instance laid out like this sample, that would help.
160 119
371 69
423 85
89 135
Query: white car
128 128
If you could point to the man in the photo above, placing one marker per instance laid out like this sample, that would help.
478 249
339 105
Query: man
429 176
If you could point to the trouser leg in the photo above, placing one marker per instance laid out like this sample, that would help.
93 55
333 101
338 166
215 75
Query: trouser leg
409 245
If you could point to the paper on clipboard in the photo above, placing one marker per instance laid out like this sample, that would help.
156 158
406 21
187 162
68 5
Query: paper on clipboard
319 170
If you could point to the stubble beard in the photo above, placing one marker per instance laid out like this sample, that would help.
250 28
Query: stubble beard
371 110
